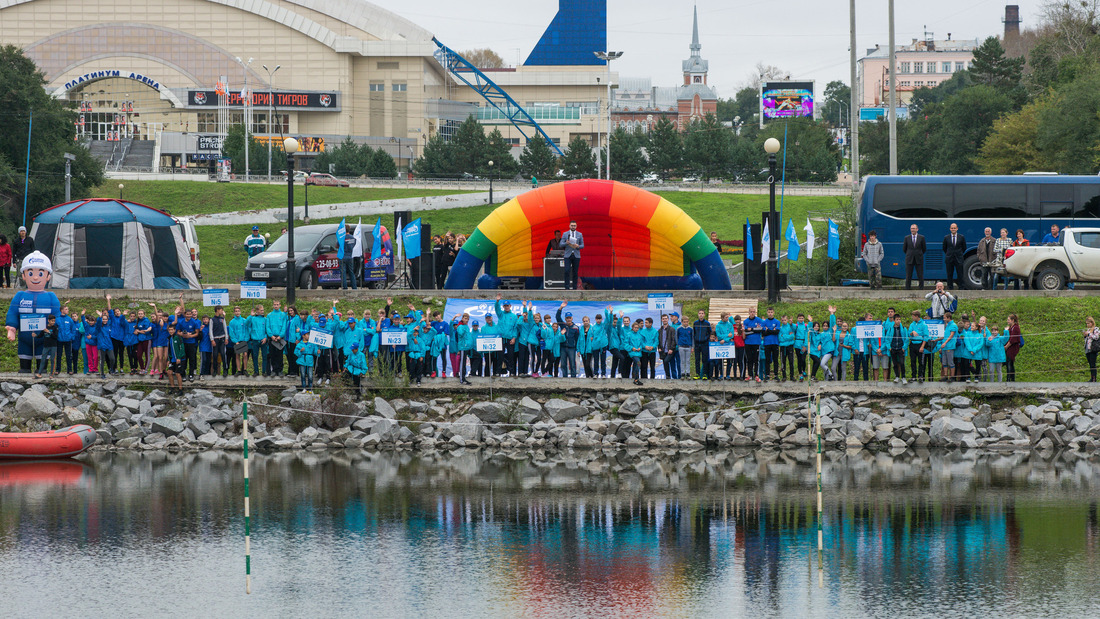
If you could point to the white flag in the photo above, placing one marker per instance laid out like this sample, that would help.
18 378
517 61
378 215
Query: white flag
765 244
400 245
809 239
357 251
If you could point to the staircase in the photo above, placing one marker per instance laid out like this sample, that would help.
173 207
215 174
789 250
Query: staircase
139 155
101 150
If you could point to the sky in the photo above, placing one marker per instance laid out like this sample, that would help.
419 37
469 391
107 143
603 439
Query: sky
807 38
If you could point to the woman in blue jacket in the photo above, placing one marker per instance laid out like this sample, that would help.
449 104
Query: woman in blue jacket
635 344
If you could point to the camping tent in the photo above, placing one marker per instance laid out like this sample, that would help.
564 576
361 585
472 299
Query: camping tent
106 243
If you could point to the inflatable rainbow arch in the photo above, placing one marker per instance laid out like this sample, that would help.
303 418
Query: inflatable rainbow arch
633 240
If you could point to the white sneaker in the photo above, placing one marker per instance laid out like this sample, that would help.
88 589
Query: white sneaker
904 382
896 380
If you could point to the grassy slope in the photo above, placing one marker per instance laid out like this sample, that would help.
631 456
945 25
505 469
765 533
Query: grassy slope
1054 357
193 198
223 246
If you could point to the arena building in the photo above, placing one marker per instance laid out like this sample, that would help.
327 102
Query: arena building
159 83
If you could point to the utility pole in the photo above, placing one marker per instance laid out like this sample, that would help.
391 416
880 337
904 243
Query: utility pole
607 57
893 98
69 159
271 115
853 113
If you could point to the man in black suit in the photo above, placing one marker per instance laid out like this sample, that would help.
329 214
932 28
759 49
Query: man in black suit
954 247
914 247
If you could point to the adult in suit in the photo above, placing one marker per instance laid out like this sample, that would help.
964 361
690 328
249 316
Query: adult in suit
914 248
572 242
954 248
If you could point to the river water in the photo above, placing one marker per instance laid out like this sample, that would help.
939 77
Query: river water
598 535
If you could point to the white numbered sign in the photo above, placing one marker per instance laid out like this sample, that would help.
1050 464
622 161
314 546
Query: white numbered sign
868 330
723 351
322 338
489 343
253 290
32 322
660 302
935 328
394 337
215 296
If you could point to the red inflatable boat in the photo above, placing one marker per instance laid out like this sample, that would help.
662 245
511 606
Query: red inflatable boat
50 444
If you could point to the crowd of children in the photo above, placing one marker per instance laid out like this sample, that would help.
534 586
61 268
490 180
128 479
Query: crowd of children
182 346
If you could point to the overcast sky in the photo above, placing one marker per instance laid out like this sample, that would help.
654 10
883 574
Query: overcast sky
808 38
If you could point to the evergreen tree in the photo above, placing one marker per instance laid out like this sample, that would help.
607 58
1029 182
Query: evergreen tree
470 147
233 149
381 165
627 160
666 148
579 161
707 147
437 160
24 90
500 153
537 159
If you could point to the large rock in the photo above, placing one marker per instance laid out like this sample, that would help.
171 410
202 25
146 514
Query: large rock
562 410
632 405
198 424
382 408
74 416
34 405
950 431
468 426
960 401
168 426
527 405
129 403
489 412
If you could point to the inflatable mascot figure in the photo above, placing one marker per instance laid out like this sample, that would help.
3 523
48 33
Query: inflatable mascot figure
29 308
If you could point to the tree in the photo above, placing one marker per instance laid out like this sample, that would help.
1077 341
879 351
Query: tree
924 96
1069 129
347 158
966 119
765 73
500 153
53 135
838 101
470 147
483 58
627 160
745 105
437 159
992 68
537 159
1012 146
381 165
579 161
666 148
233 149
812 154
707 147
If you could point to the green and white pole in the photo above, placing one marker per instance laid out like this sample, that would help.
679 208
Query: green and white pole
248 533
820 528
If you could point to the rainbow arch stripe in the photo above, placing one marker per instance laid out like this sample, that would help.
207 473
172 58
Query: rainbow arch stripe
633 240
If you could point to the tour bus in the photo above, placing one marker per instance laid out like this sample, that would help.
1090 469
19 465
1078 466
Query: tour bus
1029 202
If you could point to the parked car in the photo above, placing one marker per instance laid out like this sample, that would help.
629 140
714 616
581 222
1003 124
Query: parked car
187 228
299 175
326 180
1051 267
315 261
651 178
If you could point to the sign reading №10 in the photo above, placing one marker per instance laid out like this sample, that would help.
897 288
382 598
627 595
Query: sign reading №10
253 290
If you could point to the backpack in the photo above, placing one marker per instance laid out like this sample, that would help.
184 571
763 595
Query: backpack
1021 340
952 307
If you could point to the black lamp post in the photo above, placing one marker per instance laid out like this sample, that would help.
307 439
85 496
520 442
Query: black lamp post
771 146
290 146
490 181
306 185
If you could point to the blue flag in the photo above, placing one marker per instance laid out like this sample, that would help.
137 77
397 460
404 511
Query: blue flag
748 240
341 236
376 249
792 242
411 234
834 241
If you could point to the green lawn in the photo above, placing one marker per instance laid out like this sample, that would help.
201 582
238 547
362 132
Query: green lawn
1053 350
725 213
195 198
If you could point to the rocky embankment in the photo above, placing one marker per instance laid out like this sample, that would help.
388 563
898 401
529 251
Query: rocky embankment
200 419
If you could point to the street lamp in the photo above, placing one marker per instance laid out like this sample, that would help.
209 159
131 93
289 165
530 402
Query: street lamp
120 186
608 57
490 181
771 146
290 146
247 116
270 117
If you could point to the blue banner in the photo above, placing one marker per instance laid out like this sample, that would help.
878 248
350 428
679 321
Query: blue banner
411 236
341 236
748 240
376 247
792 242
834 241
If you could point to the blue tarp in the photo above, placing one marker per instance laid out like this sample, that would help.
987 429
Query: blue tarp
104 211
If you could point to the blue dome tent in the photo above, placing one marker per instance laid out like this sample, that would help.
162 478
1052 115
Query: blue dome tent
107 243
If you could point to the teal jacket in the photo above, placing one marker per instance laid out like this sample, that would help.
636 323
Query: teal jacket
276 324
633 341
356 363
724 330
787 334
918 332
553 337
294 329
995 348
845 343
257 327
950 336
416 345
523 336
507 322
650 339
439 343
826 342
597 336
974 340
465 338
306 353
238 329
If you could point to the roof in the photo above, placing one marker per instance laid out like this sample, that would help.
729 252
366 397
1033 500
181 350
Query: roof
104 211
689 92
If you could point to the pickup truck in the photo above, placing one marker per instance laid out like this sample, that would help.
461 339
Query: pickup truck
326 180
1052 266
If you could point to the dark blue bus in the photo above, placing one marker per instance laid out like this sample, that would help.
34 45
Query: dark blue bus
1031 202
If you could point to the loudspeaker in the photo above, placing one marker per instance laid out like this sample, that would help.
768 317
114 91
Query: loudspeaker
755 276
422 269
399 216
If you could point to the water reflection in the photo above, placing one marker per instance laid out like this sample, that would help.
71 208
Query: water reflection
472 534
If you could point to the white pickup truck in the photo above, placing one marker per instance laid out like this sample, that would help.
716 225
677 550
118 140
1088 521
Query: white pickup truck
1051 267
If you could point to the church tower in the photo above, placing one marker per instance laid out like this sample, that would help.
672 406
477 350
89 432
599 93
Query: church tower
696 99
695 68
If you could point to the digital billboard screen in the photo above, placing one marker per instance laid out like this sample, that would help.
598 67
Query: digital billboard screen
788 99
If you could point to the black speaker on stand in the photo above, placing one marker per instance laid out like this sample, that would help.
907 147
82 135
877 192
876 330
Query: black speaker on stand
422 269
755 270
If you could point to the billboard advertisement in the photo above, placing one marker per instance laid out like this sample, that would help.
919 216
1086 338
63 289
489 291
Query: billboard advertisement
787 100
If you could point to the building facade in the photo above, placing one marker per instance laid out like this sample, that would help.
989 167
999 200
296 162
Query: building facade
921 64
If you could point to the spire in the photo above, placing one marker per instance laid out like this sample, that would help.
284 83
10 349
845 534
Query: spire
695 47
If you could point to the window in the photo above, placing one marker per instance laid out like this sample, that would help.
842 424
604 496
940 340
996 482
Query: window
947 67
960 66
918 67
400 87
1087 205
916 200
932 66
377 87
1087 239
983 200
697 79
905 84
208 122
903 67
